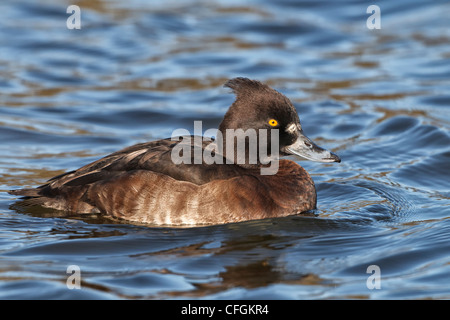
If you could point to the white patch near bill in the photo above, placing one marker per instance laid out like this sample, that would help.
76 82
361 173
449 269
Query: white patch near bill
291 128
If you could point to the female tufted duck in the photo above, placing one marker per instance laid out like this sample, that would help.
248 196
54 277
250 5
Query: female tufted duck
143 184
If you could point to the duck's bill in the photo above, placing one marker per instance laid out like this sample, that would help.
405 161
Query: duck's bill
304 149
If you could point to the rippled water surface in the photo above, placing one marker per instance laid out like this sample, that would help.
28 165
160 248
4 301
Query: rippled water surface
137 70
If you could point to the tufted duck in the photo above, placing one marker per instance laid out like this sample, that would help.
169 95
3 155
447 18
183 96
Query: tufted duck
143 184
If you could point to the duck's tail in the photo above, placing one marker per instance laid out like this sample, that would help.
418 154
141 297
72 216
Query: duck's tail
27 193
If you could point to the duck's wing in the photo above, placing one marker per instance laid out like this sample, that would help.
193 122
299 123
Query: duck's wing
154 156
141 156
135 157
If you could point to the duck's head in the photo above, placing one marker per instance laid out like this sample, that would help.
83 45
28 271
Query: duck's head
257 106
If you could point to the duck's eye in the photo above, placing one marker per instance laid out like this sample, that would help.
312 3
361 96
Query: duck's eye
273 122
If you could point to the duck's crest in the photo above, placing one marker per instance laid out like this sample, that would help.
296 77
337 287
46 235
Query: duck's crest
243 85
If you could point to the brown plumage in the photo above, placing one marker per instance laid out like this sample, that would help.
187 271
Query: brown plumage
141 183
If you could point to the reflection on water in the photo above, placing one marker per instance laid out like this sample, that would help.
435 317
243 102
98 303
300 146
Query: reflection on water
136 72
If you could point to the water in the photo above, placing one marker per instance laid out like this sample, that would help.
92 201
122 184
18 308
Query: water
135 72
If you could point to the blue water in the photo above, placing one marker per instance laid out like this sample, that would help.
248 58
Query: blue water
138 70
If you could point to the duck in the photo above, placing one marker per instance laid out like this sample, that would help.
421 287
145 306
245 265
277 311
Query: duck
147 184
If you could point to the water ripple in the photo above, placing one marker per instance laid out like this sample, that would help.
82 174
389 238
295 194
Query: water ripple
138 71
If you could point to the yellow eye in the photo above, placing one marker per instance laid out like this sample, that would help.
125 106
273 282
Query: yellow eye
273 122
